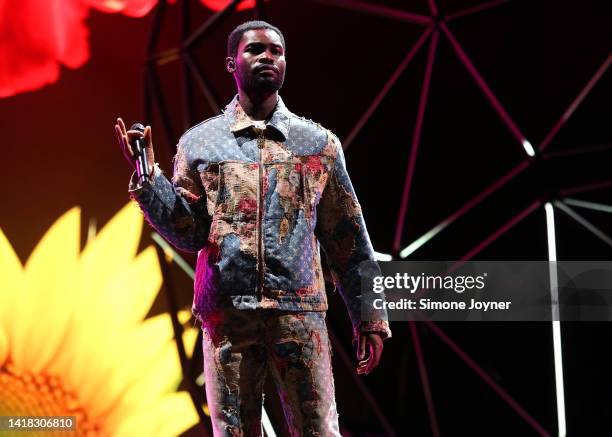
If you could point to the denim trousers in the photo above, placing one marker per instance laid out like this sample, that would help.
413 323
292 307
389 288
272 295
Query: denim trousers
241 347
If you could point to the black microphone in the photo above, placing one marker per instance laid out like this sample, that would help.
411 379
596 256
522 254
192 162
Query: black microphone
142 167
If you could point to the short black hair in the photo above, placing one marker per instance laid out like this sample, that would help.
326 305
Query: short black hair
234 38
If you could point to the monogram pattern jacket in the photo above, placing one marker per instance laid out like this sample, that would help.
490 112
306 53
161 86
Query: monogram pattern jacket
257 203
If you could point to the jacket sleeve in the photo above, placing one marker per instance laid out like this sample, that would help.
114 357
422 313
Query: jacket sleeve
344 238
176 208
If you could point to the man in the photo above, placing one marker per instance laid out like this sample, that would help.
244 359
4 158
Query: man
255 191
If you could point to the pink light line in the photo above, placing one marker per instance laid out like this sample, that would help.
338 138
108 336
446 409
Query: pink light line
577 151
432 7
386 88
584 222
463 355
476 368
577 101
361 386
487 241
463 57
583 188
382 11
474 9
495 235
415 141
479 197
424 379
515 171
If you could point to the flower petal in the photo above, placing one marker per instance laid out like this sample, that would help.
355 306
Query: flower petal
116 246
161 376
4 346
132 8
175 413
217 5
145 344
38 35
47 299
11 278
128 295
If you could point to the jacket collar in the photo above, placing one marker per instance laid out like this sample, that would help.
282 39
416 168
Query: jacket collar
238 120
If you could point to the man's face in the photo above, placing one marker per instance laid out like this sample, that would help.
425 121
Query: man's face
260 61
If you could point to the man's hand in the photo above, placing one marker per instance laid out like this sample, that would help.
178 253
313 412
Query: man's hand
373 342
125 138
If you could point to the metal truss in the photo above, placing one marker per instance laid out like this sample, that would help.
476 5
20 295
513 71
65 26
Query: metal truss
435 26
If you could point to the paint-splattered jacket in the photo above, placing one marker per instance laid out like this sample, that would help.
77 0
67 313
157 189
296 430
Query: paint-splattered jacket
256 203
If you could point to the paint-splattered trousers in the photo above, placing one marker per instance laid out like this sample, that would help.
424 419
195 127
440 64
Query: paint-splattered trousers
241 347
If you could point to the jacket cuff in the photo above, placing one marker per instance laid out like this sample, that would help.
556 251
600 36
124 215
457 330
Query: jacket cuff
380 327
135 186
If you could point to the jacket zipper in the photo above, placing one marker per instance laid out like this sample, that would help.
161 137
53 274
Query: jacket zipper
260 209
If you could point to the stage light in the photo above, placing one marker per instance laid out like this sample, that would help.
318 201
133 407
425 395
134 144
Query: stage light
528 148
556 324
383 256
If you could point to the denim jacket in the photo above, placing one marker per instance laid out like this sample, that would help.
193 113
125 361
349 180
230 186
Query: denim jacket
257 204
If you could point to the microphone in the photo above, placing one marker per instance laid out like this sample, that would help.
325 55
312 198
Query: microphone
142 167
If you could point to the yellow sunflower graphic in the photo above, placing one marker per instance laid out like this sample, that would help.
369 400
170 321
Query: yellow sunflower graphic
74 340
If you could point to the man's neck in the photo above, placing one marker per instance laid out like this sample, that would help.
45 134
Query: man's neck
257 107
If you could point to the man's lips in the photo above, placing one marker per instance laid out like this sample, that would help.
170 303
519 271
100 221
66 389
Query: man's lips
267 68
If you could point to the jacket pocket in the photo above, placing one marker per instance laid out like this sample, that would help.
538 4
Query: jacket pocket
236 198
209 175
232 198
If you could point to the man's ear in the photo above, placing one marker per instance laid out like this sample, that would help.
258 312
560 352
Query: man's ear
230 64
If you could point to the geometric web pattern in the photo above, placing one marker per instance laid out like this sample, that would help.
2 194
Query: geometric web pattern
435 26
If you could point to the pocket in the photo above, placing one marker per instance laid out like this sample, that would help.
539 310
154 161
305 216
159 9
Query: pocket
236 198
298 185
209 175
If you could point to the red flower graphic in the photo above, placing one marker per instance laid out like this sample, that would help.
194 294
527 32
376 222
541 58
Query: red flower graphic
132 8
217 5
37 36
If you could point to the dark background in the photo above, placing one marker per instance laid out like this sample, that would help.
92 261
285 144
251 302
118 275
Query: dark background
59 150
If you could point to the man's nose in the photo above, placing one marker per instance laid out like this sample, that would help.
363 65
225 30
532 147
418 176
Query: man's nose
266 57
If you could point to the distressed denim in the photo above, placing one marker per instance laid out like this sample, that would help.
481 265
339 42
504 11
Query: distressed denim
241 347
258 205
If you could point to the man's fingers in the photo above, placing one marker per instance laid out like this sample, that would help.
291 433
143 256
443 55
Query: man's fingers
375 353
361 348
372 357
119 134
361 369
121 125
134 134
375 345
122 141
